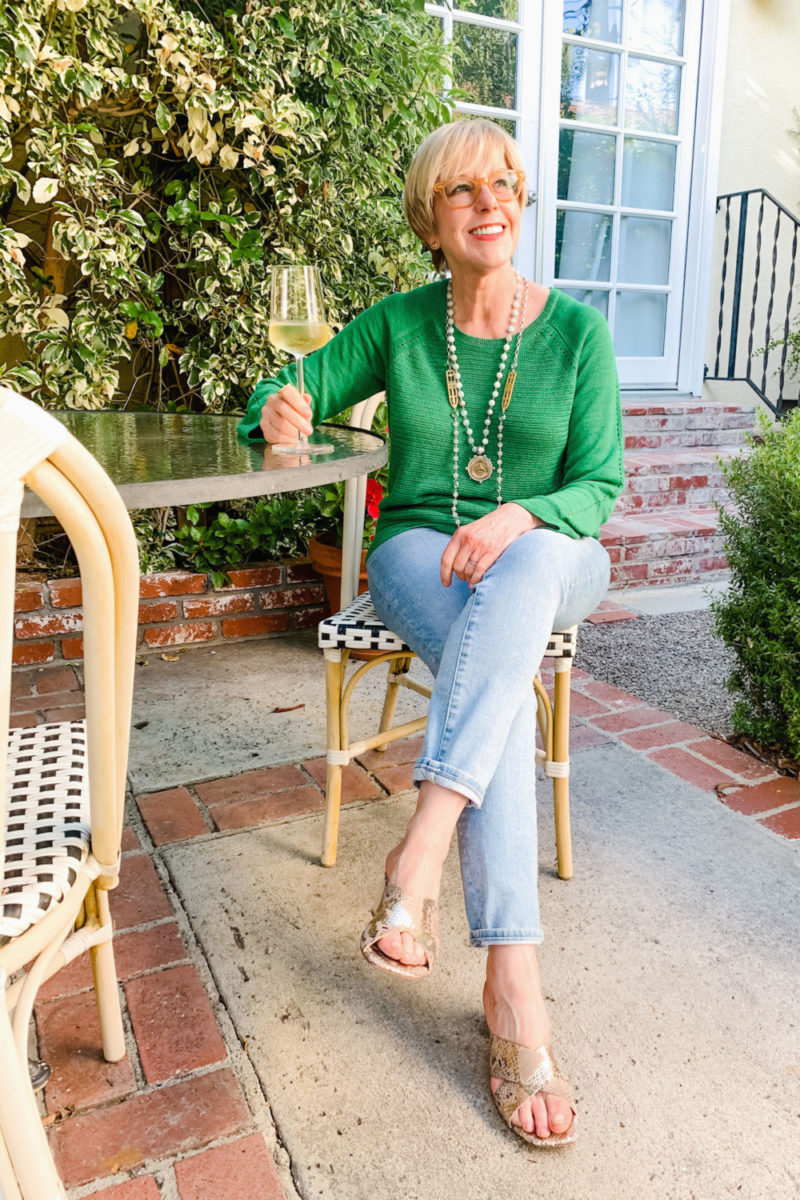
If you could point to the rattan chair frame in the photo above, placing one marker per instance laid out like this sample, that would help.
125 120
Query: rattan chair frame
552 718
88 506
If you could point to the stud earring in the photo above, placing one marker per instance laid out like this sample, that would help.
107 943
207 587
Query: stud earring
434 245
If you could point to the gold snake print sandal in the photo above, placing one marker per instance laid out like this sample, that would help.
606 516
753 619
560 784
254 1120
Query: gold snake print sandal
524 1072
397 912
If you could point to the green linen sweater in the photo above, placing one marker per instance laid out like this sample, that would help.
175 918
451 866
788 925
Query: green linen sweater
562 439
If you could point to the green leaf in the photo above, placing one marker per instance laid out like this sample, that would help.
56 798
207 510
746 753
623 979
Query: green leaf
153 320
164 118
286 26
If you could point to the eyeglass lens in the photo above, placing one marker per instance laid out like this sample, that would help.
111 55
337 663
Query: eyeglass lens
462 192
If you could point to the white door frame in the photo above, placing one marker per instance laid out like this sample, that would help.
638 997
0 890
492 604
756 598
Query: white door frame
539 31
703 202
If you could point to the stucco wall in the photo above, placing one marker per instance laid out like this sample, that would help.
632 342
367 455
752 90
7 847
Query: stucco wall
758 150
762 89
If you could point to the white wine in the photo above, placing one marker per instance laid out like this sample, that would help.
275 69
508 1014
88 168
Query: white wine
299 337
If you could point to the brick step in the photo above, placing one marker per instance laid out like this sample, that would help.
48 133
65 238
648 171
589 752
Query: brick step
676 424
664 491
670 545
676 438
716 413
679 460
664 478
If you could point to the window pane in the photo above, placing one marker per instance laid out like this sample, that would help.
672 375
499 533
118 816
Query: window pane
600 19
644 250
507 123
656 25
586 166
509 9
485 62
651 96
648 174
640 324
589 85
583 245
596 298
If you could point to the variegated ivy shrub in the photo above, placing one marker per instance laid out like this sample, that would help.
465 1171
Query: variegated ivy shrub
153 164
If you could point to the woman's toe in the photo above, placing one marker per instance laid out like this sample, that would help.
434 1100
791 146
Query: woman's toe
403 948
524 1117
559 1115
539 1109
391 946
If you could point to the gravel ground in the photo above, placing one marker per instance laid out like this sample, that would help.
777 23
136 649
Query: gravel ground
673 661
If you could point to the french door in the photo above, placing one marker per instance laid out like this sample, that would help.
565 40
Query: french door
602 96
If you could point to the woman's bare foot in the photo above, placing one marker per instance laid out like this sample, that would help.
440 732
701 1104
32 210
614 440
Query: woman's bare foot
415 865
515 1009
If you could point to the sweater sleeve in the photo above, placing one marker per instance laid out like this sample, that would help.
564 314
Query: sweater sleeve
351 367
593 471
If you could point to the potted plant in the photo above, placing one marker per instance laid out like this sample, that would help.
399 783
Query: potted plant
325 548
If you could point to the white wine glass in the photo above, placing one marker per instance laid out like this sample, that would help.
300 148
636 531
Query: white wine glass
297 325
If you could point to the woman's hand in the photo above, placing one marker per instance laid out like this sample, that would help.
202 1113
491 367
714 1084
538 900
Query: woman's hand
286 416
473 548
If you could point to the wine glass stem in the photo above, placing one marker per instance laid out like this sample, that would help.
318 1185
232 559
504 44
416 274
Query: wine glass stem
302 440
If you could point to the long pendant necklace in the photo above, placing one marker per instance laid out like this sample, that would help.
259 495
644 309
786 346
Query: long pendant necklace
480 466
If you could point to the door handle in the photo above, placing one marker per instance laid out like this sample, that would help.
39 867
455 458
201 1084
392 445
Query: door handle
531 199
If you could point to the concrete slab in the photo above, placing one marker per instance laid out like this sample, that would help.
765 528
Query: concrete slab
211 712
688 598
671 961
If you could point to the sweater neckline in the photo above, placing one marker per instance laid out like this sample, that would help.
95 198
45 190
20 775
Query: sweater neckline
542 319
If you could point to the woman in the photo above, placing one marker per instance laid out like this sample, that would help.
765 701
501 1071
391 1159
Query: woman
506 457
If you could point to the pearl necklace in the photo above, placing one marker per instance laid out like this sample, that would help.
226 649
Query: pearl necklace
480 466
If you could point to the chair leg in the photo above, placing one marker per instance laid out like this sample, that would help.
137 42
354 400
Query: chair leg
24 1150
8 1184
106 987
563 668
396 667
334 680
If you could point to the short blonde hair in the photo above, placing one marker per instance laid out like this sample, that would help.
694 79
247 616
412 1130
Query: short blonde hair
441 156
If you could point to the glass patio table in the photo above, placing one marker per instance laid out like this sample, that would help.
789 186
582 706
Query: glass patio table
160 459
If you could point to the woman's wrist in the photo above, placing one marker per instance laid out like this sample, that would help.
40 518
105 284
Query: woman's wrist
531 521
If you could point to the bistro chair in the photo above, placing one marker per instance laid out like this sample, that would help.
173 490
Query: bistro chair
357 627
62 804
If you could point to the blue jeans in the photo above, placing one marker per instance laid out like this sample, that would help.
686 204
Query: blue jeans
484 645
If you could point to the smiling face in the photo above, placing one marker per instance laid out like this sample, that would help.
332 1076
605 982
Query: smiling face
483 237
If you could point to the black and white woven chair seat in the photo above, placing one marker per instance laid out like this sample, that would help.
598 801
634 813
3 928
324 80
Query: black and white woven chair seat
47 821
358 627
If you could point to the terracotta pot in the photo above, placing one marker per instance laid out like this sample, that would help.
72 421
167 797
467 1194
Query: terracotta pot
327 560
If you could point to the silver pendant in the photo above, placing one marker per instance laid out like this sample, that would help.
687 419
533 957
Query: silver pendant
479 468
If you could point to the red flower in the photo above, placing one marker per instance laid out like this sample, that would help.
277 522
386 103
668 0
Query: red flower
374 497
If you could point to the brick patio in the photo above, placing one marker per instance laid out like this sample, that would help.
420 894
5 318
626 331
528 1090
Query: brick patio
184 1115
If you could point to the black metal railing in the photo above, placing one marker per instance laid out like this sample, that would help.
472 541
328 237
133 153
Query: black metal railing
760 354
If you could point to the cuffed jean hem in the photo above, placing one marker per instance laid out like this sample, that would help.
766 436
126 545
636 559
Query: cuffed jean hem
505 937
449 777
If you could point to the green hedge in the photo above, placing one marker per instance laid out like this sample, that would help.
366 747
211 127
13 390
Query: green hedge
759 618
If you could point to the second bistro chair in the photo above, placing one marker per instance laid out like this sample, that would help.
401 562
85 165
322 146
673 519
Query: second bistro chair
64 783
358 627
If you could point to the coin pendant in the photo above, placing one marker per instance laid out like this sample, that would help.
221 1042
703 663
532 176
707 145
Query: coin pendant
479 468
